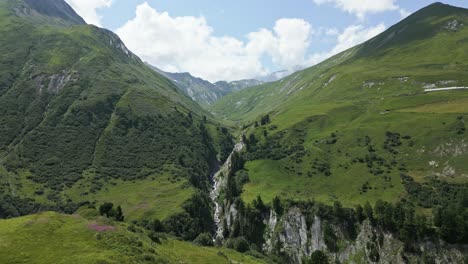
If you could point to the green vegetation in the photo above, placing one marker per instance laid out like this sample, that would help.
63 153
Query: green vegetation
55 238
177 251
87 129
157 197
318 257
346 129
84 121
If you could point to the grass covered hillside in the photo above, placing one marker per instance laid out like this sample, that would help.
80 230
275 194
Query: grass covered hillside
85 238
83 120
361 126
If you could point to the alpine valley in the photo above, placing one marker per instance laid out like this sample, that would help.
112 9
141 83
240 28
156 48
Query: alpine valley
106 159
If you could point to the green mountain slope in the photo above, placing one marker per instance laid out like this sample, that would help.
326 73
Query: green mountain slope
54 238
352 128
82 119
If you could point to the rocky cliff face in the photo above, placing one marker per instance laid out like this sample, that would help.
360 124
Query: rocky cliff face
300 231
293 237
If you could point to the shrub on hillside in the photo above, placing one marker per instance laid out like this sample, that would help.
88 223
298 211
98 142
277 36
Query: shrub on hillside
204 239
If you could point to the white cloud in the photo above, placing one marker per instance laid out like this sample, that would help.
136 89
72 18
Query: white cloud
292 41
332 32
353 35
188 44
356 34
88 9
404 13
362 7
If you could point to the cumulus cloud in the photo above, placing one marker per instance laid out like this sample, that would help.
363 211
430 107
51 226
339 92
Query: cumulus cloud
180 44
88 9
404 13
332 32
351 36
356 34
361 8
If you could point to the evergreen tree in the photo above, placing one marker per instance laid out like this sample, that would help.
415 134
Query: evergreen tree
318 257
360 213
379 212
105 209
225 228
259 205
438 217
119 214
338 210
369 213
236 228
277 207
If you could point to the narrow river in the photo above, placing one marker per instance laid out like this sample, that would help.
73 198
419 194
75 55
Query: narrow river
219 182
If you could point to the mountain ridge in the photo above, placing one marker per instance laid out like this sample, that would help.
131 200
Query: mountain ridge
79 114
46 11
202 91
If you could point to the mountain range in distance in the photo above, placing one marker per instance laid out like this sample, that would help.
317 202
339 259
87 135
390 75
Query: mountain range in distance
206 93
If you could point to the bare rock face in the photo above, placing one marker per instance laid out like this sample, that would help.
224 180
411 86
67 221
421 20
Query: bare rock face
58 81
316 236
54 83
454 25
270 223
295 239
294 236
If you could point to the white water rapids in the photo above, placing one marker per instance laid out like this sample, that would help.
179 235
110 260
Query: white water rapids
219 181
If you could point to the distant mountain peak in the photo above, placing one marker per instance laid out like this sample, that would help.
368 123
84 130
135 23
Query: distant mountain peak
202 91
57 9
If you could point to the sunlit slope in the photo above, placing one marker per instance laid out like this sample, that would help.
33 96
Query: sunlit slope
55 238
348 128
83 119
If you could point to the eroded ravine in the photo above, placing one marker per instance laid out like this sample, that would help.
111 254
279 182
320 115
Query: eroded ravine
219 182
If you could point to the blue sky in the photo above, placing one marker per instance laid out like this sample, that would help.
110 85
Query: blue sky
228 40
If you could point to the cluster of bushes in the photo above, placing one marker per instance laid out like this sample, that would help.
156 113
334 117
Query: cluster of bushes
197 218
140 146
62 147
225 143
272 148
321 167
452 222
399 219
109 211
332 140
434 192
317 257
264 120
460 125
12 206
392 141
